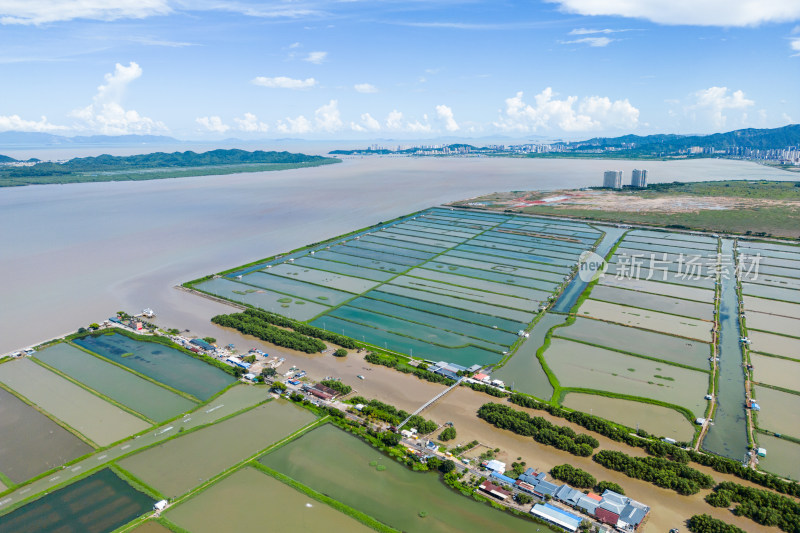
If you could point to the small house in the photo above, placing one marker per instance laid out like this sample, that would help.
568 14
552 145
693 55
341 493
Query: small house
495 491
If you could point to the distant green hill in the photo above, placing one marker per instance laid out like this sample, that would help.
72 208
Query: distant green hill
759 139
157 165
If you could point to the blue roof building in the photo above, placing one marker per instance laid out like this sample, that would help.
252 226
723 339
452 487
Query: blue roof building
556 516
202 344
501 477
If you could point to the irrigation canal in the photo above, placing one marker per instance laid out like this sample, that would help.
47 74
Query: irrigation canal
577 285
728 434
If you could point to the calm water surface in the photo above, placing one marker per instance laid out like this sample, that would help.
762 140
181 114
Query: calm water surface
74 254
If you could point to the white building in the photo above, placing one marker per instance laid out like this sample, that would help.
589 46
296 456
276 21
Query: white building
612 179
639 179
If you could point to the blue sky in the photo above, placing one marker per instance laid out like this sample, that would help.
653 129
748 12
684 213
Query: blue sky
212 69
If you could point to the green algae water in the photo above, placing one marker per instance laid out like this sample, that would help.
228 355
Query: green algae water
335 463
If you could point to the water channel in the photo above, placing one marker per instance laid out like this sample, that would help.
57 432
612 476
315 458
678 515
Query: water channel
728 434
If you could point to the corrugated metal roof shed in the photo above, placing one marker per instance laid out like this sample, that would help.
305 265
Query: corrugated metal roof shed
568 521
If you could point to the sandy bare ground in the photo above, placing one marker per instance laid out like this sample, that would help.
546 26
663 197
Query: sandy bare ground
626 202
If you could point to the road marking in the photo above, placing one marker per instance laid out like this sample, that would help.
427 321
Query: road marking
215 408
102 457
125 447
23 491
7 500
186 419
54 478
164 430
76 468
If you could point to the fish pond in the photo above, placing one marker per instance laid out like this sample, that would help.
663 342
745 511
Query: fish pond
145 397
781 456
283 508
180 464
160 363
31 443
95 504
347 469
98 420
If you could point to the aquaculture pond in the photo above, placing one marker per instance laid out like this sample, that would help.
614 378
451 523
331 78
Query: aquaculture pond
781 456
654 302
656 420
176 466
590 367
780 411
145 397
346 469
296 308
774 344
160 363
265 501
98 420
324 278
31 443
523 372
776 371
638 341
690 328
773 323
96 504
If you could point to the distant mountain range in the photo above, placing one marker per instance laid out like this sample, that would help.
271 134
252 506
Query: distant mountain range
757 139
36 139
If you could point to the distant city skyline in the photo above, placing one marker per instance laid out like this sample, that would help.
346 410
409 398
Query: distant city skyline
569 69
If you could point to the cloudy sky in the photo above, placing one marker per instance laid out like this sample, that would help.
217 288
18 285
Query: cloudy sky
352 69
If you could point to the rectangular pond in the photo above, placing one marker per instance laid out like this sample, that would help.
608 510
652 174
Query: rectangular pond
324 278
96 504
782 325
95 418
144 397
394 495
690 328
659 287
781 456
489 275
590 367
780 411
654 302
466 293
178 465
774 344
363 262
500 269
287 509
638 341
776 371
465 356
160 363
480 284
771 307
343 268
256 296
654 419
298 289
31 443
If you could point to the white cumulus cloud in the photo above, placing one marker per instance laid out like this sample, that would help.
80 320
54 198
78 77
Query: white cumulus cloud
568 114
213 124
250 123
365 88
691 12
368 123
316 57
446 114
714 101
17 123
587 31
46 11
328 118
295 126
795 46
106 115
396 122
282 82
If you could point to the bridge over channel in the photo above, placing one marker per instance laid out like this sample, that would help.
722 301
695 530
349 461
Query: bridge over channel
430 402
